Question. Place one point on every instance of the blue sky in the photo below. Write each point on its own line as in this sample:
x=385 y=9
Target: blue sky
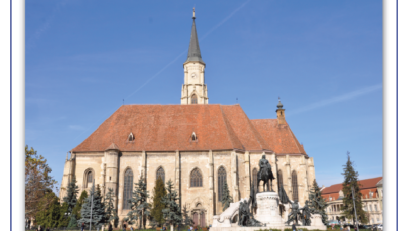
x=323 y=58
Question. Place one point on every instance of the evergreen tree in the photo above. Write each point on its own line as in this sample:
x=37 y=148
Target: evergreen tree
x=156 y=212
x=73 y=221
x=71 y=197
x=351 y=181
x=140 y=208
x=187 y=221
x=64 y=218
x=226 y=198
x=110 y=211
x=172 y=212
x=49 y=214
x=98 y=211
x=317 y=203
x=79 y=204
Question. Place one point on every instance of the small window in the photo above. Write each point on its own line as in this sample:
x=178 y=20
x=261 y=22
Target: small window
x=131 y=137
x=375 y=208
x=194 y=137
x=194 y=99
x=370 y=207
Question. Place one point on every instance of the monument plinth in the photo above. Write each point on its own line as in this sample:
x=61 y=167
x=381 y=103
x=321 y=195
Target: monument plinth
x=268 y=208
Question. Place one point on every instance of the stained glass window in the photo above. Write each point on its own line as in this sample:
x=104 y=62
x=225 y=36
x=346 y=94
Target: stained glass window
x=161 y=173
x=255 y=179
x=295 y=186
x=221 y=182
x=280 y=178
x=196 y=178
x=128 y=181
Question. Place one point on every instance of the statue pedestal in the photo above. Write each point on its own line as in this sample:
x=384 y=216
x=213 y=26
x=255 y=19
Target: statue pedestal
x=268 y=209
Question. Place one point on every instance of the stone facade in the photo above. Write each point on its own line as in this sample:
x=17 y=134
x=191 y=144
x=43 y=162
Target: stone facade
x=109 y=168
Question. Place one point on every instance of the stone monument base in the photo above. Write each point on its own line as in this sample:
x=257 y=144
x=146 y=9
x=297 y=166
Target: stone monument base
x=268 y=209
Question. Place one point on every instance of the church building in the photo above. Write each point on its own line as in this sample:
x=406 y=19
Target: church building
x=197 y=145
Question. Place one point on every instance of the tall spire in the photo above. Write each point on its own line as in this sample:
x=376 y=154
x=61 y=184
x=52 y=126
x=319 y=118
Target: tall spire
x=194 y=52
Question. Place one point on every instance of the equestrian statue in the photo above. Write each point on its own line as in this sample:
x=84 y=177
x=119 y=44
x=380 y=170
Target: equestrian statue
x=265 y=174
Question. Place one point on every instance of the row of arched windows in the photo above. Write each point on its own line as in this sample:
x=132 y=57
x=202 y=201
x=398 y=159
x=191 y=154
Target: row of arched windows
x=196 y=181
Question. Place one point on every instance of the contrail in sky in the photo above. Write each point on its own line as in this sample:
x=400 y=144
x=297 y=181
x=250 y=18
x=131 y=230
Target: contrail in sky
x=185 y=51
x=338 y=99
x=176 y=58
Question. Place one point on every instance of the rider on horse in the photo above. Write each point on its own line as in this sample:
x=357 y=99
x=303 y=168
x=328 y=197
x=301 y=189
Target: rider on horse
x=265 y=172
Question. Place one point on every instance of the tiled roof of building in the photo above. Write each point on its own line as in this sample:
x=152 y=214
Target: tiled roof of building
x=169 y=128
x=278 y=136
x=366 y=186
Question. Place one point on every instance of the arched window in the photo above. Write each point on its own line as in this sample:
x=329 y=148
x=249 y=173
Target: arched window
x=90 y=177
x=280 y=179
x=221 y=182
x=295 y=186
x=161 y=174
x=128 y=181
x=196 y=178
x=255 y=179
x=194 y=99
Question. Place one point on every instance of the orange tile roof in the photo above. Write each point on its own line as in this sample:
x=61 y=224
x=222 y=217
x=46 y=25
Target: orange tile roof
x=366 y=186
x=279 y=136
x=169 y=128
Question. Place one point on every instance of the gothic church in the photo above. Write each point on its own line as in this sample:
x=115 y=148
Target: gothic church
x=199 y=146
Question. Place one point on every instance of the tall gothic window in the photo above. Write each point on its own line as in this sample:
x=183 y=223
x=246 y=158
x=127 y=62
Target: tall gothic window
x=295 y=186
x=196 y=178
x=255 y=179
x=194 y=99
x=90 y=178
x=221 y=182
x=128 y=181
x=280 y=179
x=161 y=174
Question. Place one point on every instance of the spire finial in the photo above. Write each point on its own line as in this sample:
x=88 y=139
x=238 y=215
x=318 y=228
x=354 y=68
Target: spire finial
x=280 y=105
x=193 y=13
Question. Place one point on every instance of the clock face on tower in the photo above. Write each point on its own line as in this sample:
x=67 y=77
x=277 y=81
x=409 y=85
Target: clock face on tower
x=193 y=75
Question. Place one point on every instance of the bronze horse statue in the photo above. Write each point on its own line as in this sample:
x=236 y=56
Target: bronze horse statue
x=265 y=174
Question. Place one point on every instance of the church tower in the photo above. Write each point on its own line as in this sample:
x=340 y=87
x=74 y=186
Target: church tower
x=194 y=90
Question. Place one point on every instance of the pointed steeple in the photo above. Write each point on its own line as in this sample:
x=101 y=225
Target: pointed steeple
x=194 y=52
